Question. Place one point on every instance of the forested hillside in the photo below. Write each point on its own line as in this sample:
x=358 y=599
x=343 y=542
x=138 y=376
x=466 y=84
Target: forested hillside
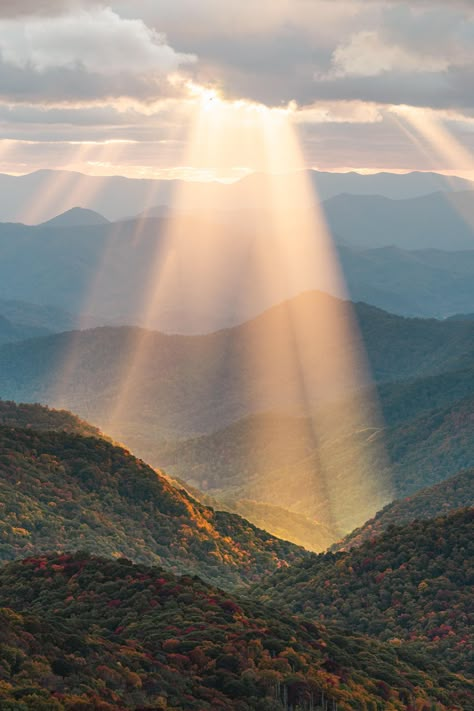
x=86 y=633
x=250 y=461
x=61 y=491
x=406 y=400
x=42 y=418
x=284 y=459
x=457 y=492
x=412 y=584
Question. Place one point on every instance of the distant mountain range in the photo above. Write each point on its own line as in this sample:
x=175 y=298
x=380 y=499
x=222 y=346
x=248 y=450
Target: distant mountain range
x=427 y=283
x=179 y=371
x=440 y=220
x=42 y=195
x=11 y=332
x=20 y=320
x=108 y=271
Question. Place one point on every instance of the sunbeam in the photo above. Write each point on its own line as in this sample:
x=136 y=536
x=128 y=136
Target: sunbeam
x=67 y=187
x=441 y=140
x=303 y=359
x=438 y=140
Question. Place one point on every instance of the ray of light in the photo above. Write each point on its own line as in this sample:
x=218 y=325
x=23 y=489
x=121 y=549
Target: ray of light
x=6 y=146
x=422 y=147
x=83 y=190
x=303 y=358
x=438 y=140
x=314 y=352
x=67 y=187
x=190 y=277
x=125 y=256
x=442 y=141
x=55 y=189
x=108 y=273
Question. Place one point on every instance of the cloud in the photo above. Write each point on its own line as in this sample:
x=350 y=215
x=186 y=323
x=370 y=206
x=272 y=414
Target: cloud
x=85 y=69
x=272 y=52
x=95 y=123
x=20 y=8
x=98 y=41
x=89 y=57
x=367 y=54
x=277 y=51
x=345 y=112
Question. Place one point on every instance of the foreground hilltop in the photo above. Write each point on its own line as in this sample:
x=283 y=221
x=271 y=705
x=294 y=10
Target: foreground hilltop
x=89 y=633
x=82 y=632
x=64 y=490
x=44 y=419
x=412 y=584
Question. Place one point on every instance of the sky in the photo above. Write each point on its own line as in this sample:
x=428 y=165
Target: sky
x=114 y=87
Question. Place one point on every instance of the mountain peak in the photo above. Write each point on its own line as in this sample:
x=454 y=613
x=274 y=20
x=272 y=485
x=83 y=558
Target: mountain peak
x=77 y=217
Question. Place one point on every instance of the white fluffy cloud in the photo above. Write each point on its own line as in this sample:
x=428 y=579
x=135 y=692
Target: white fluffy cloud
x=335 y=112
x=368 y=54
x=98 y=40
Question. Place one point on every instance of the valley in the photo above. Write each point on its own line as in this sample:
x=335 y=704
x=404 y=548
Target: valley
x=236 y=355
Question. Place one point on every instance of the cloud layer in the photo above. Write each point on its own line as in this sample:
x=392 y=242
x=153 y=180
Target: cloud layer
x=82 y=69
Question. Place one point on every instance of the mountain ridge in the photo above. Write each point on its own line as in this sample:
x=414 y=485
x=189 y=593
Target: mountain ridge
x=135 y=195
x=105 y=270
x=61 y=490
x=31 y=373
x=76 y=217
x=456 y=492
